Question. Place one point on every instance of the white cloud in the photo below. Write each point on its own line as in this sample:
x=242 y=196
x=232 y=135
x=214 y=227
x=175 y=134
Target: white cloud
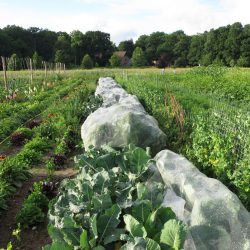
x=125 y=19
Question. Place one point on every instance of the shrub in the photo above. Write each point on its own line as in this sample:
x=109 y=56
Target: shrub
x=87 y=62
x=138 y=58
x=115 y=61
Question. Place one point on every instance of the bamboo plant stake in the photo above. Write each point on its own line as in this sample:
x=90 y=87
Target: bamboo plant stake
x=4 y=73
x=31 y=71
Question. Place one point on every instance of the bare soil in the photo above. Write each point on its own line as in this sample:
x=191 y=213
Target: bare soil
x=36 y=237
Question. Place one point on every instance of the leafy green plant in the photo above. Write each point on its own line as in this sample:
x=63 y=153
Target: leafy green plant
x=34 y=207
x=29 y=156
x=109 y=202
x=38 y=144
x=13 y=171
x=50 y=167
x=30 y=215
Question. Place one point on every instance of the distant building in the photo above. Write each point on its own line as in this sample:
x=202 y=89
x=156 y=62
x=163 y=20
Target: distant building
x=125 y=60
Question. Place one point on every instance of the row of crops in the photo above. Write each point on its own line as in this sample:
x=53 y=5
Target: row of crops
x=42 y=139
x=205 y=113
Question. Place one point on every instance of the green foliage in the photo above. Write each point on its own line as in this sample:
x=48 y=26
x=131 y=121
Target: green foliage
x=38 y=144
x=173 y=234
x=208 y=122
x=87 y=62
x=29 y=156
x=37 y=61
x=108 y=197
x=14 y=62
x=115 y=61
x=50 y=167
x=47 y=130
x=13 y=171
x=33 y=208
x=229 y=44
x=30 y=215
x=9 y=247
x=128 y=46
x=138 y=58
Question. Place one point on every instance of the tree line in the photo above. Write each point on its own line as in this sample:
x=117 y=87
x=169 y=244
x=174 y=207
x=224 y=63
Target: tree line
x=228 y=45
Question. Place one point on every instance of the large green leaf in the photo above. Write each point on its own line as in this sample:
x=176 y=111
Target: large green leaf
x=134 y=227
x=55 y=233
x=107 y=222
x=106 y=161
x=84 y=240
x=93 y=226
x=71 y=232
x=58 y=246
x=99 y=248
x=152 y=245
x=138 y=159
x=87 y=191
x=100 y=180
x=137 y=243
x=157 y=219
x=124 y=196
x=173 y=234
x=114 y=236
x=142 y=191
x=102 y=202
x=141 y=210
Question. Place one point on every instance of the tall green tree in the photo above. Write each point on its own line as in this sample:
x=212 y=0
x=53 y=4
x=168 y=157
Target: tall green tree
x=181 y=50
x=87 y=62
x=196 y=49
x=115 y=61
x=244 y=59
x=63 y=47
x=142 y=42
x=98 y=45
x=233 y=43
x=37 y=61
x=77 y=45
x=128 y=46
x=138 y=58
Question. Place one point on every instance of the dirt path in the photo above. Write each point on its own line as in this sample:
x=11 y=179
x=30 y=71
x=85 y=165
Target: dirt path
x=36 y=237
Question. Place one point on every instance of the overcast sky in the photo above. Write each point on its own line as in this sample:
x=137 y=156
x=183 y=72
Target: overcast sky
x=124 y=19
